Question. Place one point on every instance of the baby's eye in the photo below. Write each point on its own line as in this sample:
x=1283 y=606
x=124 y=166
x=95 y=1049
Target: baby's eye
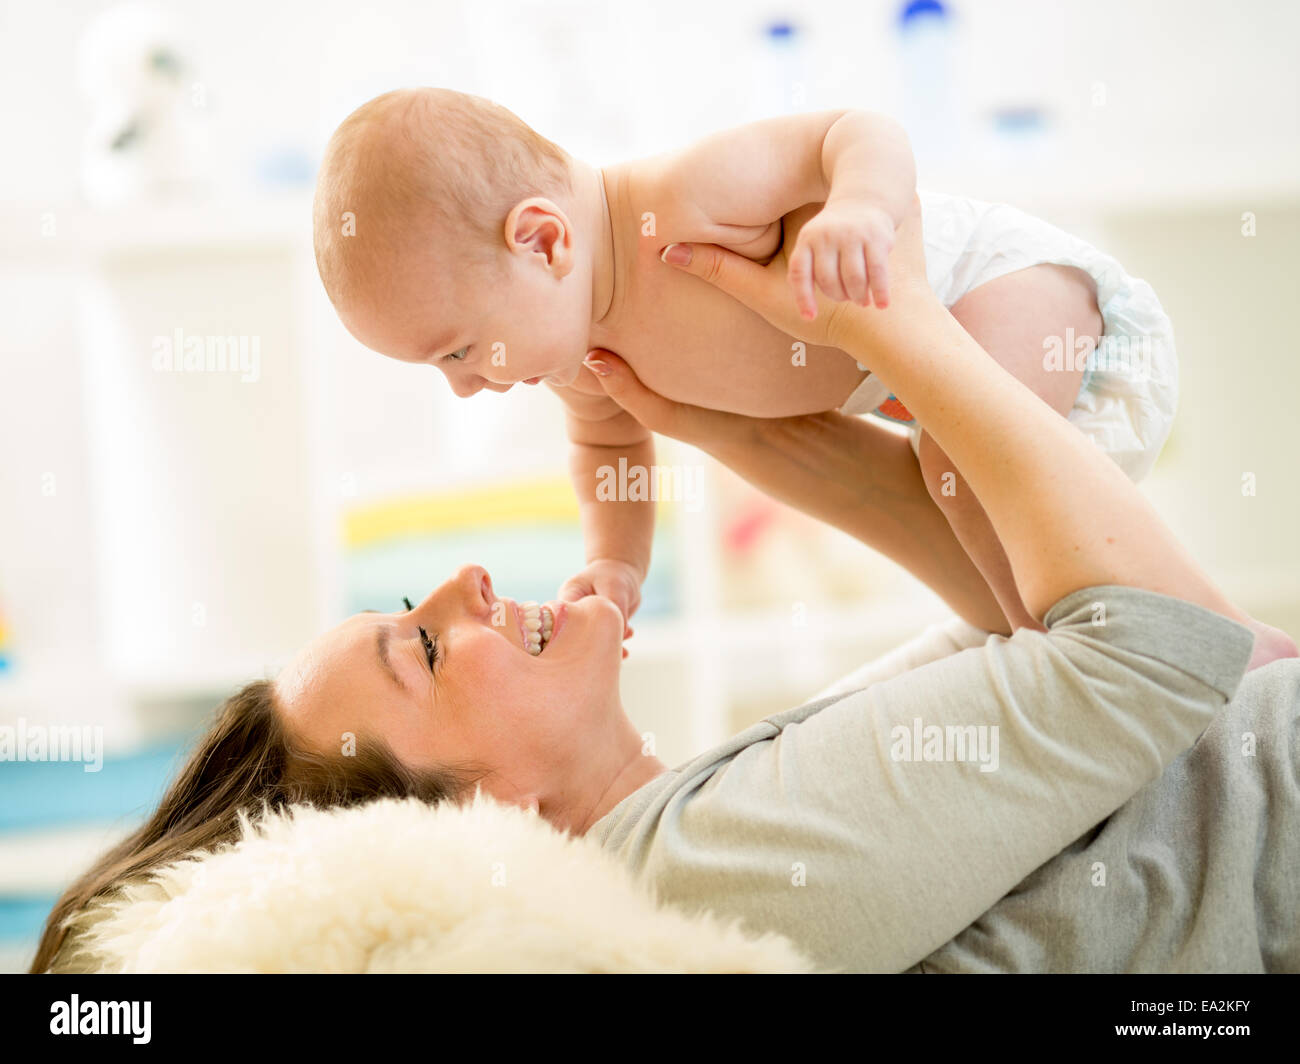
x=458 y=356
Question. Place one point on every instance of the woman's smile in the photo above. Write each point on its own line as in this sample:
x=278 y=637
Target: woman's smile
x=536 y=624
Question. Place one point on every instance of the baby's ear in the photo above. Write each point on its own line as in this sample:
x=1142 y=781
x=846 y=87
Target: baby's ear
x=537 y=226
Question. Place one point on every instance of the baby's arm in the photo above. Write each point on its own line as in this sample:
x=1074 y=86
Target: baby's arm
x=850 y=472
x=617 y=533
x=728 y=187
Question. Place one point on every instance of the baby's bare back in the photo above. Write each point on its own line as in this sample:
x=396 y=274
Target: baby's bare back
x=694 y=344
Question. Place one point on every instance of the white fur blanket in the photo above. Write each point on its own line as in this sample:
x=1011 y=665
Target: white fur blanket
x=400 y=886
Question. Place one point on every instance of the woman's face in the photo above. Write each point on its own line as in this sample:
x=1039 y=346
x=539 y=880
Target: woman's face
x=538 y=724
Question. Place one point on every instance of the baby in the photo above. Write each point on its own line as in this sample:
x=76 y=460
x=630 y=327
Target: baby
x=449 y=233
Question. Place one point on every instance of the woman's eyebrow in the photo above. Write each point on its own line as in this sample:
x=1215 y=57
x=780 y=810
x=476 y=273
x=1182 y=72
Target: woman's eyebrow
x=382 y=637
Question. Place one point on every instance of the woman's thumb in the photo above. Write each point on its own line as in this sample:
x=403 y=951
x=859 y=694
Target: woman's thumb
x=651 y=409
x=734 y=274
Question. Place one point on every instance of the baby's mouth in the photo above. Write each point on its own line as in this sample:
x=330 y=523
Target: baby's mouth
x=536 y=624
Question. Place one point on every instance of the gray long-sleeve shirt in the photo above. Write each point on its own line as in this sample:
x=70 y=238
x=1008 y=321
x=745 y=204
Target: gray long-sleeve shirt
x=878 y=843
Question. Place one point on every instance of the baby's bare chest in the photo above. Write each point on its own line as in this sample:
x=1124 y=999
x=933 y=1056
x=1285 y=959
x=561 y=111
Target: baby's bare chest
x=695 y=344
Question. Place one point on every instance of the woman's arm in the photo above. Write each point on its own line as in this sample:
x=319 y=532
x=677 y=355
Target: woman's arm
x=852 y=474
x=939 y=640
x=912 y=806
x=1066 y=514
x=858 y=476
x=873 y=829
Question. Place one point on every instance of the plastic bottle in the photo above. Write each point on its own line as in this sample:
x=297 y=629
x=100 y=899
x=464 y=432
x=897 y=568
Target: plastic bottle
x=783 y=70
x=929 y=57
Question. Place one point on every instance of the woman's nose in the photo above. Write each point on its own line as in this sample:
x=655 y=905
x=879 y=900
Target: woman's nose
x=470 y=588
x=475 y=586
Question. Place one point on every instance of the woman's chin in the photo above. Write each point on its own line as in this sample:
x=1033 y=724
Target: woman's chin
x=598 y=624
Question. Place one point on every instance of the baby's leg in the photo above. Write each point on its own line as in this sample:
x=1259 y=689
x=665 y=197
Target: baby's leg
x=1010 y=317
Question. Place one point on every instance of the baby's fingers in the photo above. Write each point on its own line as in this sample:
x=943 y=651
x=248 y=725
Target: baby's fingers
x=575 y=588
x=878 y=264
x=799 y=272
x=853 y=275
x=826 y=268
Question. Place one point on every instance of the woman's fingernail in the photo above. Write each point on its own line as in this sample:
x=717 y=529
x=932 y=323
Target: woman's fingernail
x=677 y=255
x=601 y=369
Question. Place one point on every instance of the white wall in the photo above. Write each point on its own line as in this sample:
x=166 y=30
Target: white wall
x=1182 y=81
x=1229 y=297
x=1165 y=120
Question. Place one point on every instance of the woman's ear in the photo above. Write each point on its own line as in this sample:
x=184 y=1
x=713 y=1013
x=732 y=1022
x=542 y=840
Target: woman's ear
x=536 y=226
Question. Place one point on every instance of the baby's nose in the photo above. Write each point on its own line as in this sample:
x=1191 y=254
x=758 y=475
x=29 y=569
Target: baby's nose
x=465 y=388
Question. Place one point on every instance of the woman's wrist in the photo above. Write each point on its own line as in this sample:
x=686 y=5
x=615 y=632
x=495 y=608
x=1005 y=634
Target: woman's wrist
x=861 y=331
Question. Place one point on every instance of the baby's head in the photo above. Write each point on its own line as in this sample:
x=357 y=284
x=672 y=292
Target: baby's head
x=446 y=233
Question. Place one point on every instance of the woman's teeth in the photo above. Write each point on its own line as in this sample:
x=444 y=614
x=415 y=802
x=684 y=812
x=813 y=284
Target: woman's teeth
x=537 y=623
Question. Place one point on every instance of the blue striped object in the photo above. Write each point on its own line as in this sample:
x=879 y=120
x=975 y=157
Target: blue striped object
x=36 y=796
x=23 y=915
x=45 y=794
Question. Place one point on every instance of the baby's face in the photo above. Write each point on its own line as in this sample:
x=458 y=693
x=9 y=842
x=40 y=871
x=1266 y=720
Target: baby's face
x=528 y=325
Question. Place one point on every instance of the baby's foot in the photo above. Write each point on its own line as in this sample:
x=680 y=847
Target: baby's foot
x=1270 y=644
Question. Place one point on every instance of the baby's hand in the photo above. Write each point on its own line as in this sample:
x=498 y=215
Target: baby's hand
x=610 y=578
x=844 y=250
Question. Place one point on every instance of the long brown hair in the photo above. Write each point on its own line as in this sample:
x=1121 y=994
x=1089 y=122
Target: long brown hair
x=246 y=762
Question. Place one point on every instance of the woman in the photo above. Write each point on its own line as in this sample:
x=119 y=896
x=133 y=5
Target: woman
x=809 y=823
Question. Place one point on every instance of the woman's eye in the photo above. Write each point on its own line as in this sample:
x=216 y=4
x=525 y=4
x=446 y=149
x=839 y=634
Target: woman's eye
x=430 y=648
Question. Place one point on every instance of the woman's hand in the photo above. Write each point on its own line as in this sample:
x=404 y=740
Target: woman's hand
x=1065 y=513
x=766 y=290
x=712 y=431
x=853 y=474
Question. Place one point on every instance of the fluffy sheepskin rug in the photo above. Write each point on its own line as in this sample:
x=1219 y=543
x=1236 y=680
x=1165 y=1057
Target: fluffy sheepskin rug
x=401 y=886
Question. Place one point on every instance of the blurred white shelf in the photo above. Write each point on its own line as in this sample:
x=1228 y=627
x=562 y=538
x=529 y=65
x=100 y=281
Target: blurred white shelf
x=1175 y=181
x=72 y=235
x=1053 y=177
x=829 y=624
x=733 y=633
x=16 y=957
x=22 y=685
x=46 y=692
x=1261 y=589
x=47 y=860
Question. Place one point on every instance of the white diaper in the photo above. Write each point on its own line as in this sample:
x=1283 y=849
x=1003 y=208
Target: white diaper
x=1129 y=394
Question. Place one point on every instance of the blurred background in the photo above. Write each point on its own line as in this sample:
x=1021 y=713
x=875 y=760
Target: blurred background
x=166 y=536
